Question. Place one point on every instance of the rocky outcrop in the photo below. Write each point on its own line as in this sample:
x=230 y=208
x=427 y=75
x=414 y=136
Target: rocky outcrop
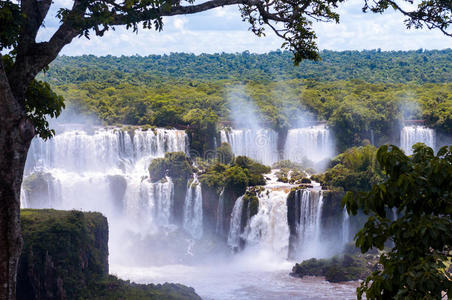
x=118 y=186
x=64 y=253
x=65 y=256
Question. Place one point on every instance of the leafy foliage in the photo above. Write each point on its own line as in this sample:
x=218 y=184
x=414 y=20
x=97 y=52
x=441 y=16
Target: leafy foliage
x=420 y=189
x=224 y=153
x=236 y=176
x=337 y=269
x=175 y=165
x=202 y=128
x=11 y=20
x=371 y=66
x=432 y=14
x=354 y=170
x=40 y=103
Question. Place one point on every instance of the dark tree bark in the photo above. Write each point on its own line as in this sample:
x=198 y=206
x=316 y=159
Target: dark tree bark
x=16 y=133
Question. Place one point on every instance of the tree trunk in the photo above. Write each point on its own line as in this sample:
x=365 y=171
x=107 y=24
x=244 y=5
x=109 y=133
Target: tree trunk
x=16 y=133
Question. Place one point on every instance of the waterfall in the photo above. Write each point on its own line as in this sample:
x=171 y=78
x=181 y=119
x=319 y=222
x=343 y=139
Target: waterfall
x=236 y=222
x=104 y=170
x=155 y=199
x=411 y=135
x=258 y=144
x=268 y=230
x=219 y=228
x=313 y=143
x=192 y=221
x=308 y=225
x=345 y=227
x=106 y=148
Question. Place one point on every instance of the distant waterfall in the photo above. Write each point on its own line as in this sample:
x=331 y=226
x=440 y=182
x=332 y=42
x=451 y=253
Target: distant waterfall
x=192 y=221
x=258 y=144
x=313 y=143
x=104 y=170
x=106 y=148
x=411 y=135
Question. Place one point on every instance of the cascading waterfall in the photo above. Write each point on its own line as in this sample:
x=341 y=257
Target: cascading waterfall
x=258 y=144
x=192 y=221
x=106 y=148
x=308 y=226
x=268 y=230
x=345 y=227
x=219 y=226
x=105 y=171
x=155 y=200
x=313 y=143
x=236 y=224
x=411 y=135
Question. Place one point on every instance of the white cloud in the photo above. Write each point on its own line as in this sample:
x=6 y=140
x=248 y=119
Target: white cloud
x=222 y=30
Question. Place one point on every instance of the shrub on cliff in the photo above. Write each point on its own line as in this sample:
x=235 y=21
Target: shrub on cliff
x=65 y=256
x=175 y=165
x=336 y=269
x=224 y=153
x=354 y=170
x=243 y=172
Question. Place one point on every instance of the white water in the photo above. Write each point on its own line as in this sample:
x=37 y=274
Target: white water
x=235 y=227
x=258 y=144
x=411 y=135
x=106 y=171
x=309 y=224
x=192 y=222
x=313 y=143
x=268 y=230
x=345 y=227
x=246 y=277
x=219 y=226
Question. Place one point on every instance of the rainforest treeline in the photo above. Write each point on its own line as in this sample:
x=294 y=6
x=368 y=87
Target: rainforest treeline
x=359 y=94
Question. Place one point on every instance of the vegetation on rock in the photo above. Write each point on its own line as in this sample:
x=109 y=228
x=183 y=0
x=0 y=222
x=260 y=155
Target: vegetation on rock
x=348 y=267
x=65 y=256
x=175 y=165
x=354 y=170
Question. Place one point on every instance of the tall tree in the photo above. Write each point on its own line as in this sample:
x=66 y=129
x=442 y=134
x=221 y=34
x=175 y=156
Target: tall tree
x=419 y=189
x=24 y=102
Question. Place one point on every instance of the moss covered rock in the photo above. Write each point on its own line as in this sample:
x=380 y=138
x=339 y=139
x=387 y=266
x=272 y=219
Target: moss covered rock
x=337 y=269
x=65 y=256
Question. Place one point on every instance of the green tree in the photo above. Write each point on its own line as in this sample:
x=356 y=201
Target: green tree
x=419 y=188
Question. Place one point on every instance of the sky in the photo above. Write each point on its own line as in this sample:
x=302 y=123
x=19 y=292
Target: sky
x=222 y=30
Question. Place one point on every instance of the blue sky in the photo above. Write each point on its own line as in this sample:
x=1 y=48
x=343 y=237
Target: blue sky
x=222 y=30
